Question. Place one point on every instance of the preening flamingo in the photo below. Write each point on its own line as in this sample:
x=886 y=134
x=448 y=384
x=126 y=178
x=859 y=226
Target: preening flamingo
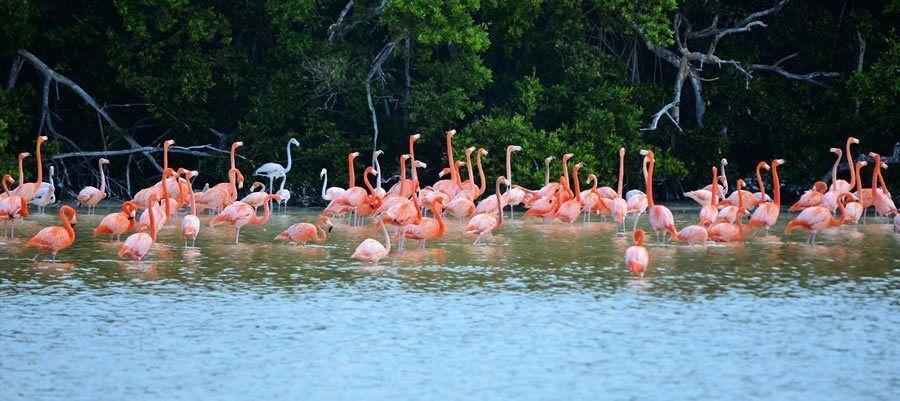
x=90 y=196
x=618 y=206
x=274 y=170
x=590 y=198
x=239 y=214
x=372 y=251
x=219 y=196
x=692 y=234
x=332 y=193
x=13 y=207
x=55 y=238
x=661 y=218
x=841 y=185
x=138 y=244
x=118 y=223
x=810 y=198
x=728 y=232
x=190 y=224
x=884 y=205
x=855 y=209
x=571 y=209
x=45 y=195
x=301 y=233
x=817 y=218
x=428 y=228
x=767 y=213
x=404 y=214
x=761 y=195
x=636 y=256
x=485 y=223
x=29 y=189
x=709 y=213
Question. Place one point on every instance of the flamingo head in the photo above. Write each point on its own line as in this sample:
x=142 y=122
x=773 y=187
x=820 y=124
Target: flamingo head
x=621 y=152
x=415 y=137
x=482 y=152
x=740 y=183
x=874 y=155
x=421 y=164
x=568 y=156
x=24 y=155
x=862 y=164
x=470 y=150
x=255 y=185
x=777 y=162
x=836 y=151
x=404 y=158
x=294 y=142
x=443 y=172
x=513 y=148
x=323 y=172
x=724 y=161
x=377 y=153
x=547 y=160
x=51 y=170
x=236 y=145
x=354 y=155
x=42 y=139
x=104 y=161
x=451 y=133
x=72 y=219
x=765 y=165
x=276 y=198
x=884 y=166
x=578 y=166
x=168 y=143
x=327 y=222
x=853 y=140
x=591 y=176
x=639 y=237
x=459 y=163
x=8 y=178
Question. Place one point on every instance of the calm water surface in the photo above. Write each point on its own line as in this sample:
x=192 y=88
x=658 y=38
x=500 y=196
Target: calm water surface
x=538 y=312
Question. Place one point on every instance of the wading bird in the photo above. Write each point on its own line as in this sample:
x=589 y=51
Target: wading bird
x=55 y=238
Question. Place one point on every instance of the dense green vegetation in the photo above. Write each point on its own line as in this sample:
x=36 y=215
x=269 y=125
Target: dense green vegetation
x=554 y=76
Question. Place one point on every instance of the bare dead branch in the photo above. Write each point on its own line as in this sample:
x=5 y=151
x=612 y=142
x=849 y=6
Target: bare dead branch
x=380 y=58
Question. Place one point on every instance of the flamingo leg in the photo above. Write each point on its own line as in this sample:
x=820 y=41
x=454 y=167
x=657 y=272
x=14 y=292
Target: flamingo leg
x=193 y=240
x=237 y=235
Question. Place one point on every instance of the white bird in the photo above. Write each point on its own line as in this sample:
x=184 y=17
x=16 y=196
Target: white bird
x=45 y=195
x=332 y=193
x=274 y=170
x=283 y=193
x=378 y=189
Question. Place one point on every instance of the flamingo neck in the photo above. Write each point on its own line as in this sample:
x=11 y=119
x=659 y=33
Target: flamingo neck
x=415 y=199
x=233 y=149
x=621 y=173
x=715 y=187
x=858 y=183
x=547 y=173
x=318 y=229
x=499 y=206
x=5 y=188
x=435 y=210
x=649 y=182
x=265 y=217
x=834 y=171
x=509 y=166
x=837 y=222
x=191 y=198
x=875 y=172
x=639 y=238
x=367 y=183
x=483 y=185
x=152 y=216
x=64 y=216
x=21 y=172
x=577 y=185
x=378 y=171
x=40 y=165
x=566 y=173
x=470 y=168
x=412 y=150
x=387 y=238
x=283 y=179
x=759 y=181
x=289 y=161
x=450 y=161
x=352 y=172
x=740 y=212
x=776 y=184
x=165 y=189
x=403 y=182
x=853 y=174
x=102 y=180
x=324 y=184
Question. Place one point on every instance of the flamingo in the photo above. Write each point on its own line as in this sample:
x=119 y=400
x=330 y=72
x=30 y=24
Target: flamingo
x=255 y=198
x=217 y=197
x=545 y=207
x=378 y=189
x=709 y=214
x=239 y=214
x=21 y=158
x=332 y=193
x=767 y=213
x=636 y=256
x=55 y=238
x=841 y=185
x=855 y=209
x=404 y=186
x=190 y=224
x=703 y=196
x=590 y=198
x=884 y=205
x=817 y=218
x=274 y=170
x=897 y=224
x=692 y=234
x=450 y=186
x=514 y=195
x=283 y=193
x=810 y=198
x=636 y=201
x=141 y=197
x=138 y=244
x=428 y=228
x=618 y=206
x=13 y=207
x=485 y=223
x=571 y=208
x=29 y=189
x=115 y=224
x=301 y=233
x=728 y=232
x=865 y=195
x=162 y=212
x=390 y=199
x=829 y=200
x=45 y=195
x=404 y=214
x=661 y=218
x=90 y=196
x=372 y=251
x=353 y=199
x=469 y=184
x=761 y=195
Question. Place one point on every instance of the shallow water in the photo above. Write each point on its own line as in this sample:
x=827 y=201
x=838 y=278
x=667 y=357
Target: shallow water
x=536 y=312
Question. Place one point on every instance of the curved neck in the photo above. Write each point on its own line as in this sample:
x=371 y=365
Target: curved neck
x=436 y=211
x=166 y=157
x=233 y=149
x=413 y=169
x=577 y=184
x=456 y=176
x=352 y=182
x=289 y=161
x=232 y=180
x=102 y=180
x=649 y=182
x=853 y=174
x=509 y=166
x=840 y=221
x=21 y=172
x=858 y=183
x=52 y=186
x=387 y=238
x=875 y=193
x=740 y=212
x=450 y=161
x=715 y=187
x=127 y=210
x=499 y=205
x=412 y=150
x=324 y=183
x=40 y=165
x=415 y=199
x=152 y=216
x=319 y=228
x=64 y=216
x=470 y=167
x=367 y=183
x=776 y=185
x=5 y=188
x=621 y=172
x=759 y=181
x=403 y=182
x=265 y=217
x=546 y=172
x=566 y=171
x=165 y=189
x=378 y=171
x=834 y=170
x=483 y=184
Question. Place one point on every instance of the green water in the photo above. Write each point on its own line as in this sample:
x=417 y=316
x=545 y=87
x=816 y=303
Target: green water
x=536 y=312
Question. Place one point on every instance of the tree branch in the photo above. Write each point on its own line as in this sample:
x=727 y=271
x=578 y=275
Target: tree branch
x=380 y=58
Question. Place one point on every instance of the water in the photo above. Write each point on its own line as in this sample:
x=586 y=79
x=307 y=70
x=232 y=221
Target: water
x=538 y=312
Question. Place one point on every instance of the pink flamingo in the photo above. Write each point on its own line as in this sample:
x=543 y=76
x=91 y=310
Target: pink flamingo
x=404 y=214
x=217 y=197
x=118 y=223
x=692 y=234
x=829 y=200
x=354 y=198
x=450 y=186
x=428 y=228
x=855 y=209
x=767 y=213
x=30 y=189
x=728 y=232
x=590 y=198
x=301 y=233
x=55 y=238
x=884 y=205
x=636 y=256
x=514 y=195
x=571 y=209
x=709 y=214
x=162 y=212
x=865 y=194
x=761 y=195
x=817 y=218
x=618 y=207
x=332 y=193
x=239 y=214
x=255 y=198
x=13 y=207
x=485 y=223
x=90 y=196
x=138 y=244
x=370 y=250
x=703 y=196
x=810 y=198
x=21 y=158
x=190 y=224
x=378 y=189
x=469 y=184
x=637 y=201
x=661 y=218
x=404 y=186
x=841 y=185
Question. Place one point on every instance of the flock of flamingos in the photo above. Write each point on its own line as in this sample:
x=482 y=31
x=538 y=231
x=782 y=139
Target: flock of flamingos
x=405 y=204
